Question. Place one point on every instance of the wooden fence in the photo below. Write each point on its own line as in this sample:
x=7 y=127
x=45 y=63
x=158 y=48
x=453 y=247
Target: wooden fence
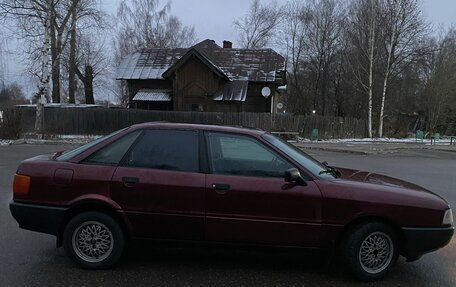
x=97 y=121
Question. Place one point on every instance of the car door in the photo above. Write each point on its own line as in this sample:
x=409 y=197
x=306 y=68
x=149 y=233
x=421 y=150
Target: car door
x=248 y=200
x=159 y=185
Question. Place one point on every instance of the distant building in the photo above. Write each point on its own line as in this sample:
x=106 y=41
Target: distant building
x=205 y=77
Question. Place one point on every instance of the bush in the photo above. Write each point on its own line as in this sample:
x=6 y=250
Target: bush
x=10 y=124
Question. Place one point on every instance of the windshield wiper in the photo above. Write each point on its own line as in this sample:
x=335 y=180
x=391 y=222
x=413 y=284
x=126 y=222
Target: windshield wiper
x=330 y=170
x=327 y=171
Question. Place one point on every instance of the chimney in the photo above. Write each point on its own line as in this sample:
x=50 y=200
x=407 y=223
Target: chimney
x=227 y=45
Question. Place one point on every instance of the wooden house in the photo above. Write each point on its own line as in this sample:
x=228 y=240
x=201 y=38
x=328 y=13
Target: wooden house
x=205 y=77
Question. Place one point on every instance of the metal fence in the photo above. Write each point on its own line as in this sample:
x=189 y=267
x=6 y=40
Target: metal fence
x=97 y=121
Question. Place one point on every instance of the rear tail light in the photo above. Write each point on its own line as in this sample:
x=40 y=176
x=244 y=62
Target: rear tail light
x=21 y=184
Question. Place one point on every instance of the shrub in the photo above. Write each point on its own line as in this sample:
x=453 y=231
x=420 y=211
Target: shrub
x=10 y=124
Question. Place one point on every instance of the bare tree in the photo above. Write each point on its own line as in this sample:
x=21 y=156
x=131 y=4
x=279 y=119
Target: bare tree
x=439 y=96
x=364 y=32
x=2 y=64
x=86 y=20
x=258 y=26
x=293 y=28
x=405 y=30
x=94 y=60
x=324 y=37
x=11 y=95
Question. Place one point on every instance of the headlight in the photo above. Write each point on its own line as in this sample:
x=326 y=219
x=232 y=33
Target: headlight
x=448 y=218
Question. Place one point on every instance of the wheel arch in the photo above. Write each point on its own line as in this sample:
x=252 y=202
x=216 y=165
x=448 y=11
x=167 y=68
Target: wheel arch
x=98 y=206
x=368 y=219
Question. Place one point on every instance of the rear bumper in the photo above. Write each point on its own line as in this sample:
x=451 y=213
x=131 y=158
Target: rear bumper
x=40 y=218
x=419 y=241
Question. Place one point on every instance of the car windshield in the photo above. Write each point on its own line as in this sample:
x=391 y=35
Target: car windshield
x=305 y=160
x=67 y=155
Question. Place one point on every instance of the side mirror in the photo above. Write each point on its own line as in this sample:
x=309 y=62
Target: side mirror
x=293 y=175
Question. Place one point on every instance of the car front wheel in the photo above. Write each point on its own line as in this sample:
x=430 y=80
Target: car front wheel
x=94 y=240
x=370 y=251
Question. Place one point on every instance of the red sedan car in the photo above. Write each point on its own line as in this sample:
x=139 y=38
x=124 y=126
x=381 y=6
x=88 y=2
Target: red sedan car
x=214 y=184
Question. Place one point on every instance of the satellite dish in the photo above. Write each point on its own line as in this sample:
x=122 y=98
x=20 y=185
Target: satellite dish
x=266 y=92
x=280 y=106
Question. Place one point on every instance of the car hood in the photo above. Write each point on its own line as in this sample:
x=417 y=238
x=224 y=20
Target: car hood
x=379 y=179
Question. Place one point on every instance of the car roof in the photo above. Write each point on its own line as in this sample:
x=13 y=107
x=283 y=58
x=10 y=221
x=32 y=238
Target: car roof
x=216 y=128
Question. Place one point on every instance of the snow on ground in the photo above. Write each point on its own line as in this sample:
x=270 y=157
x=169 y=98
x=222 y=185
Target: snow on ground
x=55 y=139
x=5 y=142
x=376 y=140
x=82 y=139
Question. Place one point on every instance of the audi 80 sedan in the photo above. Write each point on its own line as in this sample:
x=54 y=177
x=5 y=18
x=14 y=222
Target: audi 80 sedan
x=222 y=185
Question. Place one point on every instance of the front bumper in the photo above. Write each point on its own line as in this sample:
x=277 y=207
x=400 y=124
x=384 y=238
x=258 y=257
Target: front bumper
x=419 y=241
x=40 y=218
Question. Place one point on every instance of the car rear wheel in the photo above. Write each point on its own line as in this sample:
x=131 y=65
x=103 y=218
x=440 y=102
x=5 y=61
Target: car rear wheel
x=94 y=240
x=370 y=251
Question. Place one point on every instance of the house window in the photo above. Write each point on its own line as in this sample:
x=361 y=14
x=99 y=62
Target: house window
x=194 y=107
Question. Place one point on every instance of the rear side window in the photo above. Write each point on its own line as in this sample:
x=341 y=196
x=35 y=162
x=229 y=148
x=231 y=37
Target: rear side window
x=67 y=155
x=113 y=153
x=166 y=149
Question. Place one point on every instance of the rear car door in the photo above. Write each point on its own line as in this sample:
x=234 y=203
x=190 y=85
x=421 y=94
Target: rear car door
x=248 y=200
x=159 y=185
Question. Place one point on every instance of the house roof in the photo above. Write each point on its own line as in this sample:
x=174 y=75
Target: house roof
x=259 y=65
x=150 y=95
x=193 y=51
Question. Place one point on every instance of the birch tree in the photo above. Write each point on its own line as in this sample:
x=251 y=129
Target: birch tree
x=33 y=21
x=364 y=33
x=405 y=30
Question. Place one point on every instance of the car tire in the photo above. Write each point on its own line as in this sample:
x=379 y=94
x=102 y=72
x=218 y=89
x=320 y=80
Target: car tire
x=94 y=240
x=369 y=251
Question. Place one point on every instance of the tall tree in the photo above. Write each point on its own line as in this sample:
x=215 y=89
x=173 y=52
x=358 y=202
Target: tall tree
x=294 y=28
x=439 y=95
x=258 y=26
x=405 y=30
x=86 y=19
x=364 y=32
x=2 y=65
x=324 y=37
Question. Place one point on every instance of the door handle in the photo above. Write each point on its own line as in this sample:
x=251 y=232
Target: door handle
x=130 y=181
x=220 y=188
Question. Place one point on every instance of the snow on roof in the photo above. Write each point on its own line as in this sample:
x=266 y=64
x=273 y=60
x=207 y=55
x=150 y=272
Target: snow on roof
x=258 y=65
x=61 y=105
x=150 y=95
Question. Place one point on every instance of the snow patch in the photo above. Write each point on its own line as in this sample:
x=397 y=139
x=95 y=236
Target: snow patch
x=376 y=140
x=5 y=142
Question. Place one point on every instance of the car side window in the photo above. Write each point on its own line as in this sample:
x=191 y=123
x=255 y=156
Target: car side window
x=166 y=149
x=113 y=153
x=232 y=154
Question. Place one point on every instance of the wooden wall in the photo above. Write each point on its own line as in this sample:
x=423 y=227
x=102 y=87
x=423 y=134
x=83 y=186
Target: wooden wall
x=194 y=85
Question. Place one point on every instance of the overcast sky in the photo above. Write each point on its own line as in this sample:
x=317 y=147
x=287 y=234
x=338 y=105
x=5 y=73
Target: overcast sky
x=213 y=19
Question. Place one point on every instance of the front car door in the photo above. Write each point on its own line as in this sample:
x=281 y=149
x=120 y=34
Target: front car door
x=248 y=200
x=160 y=187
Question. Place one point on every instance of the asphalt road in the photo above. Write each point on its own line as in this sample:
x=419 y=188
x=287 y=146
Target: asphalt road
x=31 y=259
